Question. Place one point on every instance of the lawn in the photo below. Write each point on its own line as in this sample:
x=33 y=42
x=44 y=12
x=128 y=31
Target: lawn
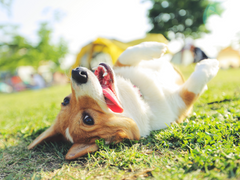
x=205 y=146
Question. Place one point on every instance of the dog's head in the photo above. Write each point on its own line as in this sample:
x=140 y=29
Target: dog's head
x=92 y=111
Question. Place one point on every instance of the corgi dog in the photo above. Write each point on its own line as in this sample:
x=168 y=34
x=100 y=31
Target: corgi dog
x=141 y=93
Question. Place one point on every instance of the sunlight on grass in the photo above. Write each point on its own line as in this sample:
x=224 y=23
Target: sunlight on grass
x=205 y=146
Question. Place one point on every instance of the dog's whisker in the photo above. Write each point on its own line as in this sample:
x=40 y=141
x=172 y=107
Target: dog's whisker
x=101 y=100
x=94 y=68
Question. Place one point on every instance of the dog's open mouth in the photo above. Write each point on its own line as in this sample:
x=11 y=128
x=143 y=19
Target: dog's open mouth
x=105 y=76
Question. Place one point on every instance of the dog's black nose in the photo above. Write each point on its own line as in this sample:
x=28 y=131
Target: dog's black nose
x=80 y=75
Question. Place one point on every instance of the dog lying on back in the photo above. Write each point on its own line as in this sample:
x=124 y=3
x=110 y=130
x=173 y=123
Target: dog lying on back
x=141 y=93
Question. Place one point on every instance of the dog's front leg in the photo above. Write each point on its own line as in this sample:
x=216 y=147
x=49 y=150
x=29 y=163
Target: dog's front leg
x=196 y=84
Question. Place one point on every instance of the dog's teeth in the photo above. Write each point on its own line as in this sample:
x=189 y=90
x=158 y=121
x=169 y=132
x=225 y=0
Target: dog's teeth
x=105 y=71
x=105 y=74
x=103 y=68
x=94 y=68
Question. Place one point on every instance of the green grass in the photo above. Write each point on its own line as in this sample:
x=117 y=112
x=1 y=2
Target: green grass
x=205 y=146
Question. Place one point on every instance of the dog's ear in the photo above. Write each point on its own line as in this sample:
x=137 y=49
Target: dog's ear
x=51 y=134
x=78 y=150
x=124 y=128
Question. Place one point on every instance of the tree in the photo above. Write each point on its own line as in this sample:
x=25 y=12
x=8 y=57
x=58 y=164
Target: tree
x=6 y=5
x=46 y=49
x=19 y=51
x=174 y=18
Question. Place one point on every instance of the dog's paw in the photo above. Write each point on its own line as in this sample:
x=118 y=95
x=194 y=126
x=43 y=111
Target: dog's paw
x=207 y=68
x=204 y=72
x=144 y=51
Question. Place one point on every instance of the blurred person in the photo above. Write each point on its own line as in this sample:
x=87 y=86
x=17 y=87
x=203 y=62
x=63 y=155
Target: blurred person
x=37 y=81
x=5 y=88
x=198 y=54
x=17 y=83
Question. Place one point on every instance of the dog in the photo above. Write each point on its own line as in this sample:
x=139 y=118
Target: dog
x=141 y=93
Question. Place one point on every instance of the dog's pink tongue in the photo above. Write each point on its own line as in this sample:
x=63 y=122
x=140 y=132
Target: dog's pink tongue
x=112 y=101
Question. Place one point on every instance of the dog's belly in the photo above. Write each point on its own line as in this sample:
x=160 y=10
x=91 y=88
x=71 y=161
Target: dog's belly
x=157 y=84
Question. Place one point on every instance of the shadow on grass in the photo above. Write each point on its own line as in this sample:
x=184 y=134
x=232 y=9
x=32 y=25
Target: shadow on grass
x=17 y=162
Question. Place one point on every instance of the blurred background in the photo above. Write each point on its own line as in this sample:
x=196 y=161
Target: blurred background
x=41 y=41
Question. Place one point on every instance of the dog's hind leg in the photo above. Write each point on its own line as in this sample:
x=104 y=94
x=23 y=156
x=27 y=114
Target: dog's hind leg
x=196 y=84
x=144 y=51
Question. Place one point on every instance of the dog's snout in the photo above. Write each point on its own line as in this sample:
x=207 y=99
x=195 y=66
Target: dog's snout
x=80 y=75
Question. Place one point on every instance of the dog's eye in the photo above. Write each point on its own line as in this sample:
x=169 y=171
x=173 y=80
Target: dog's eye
x=88 y=119
x=66 y=101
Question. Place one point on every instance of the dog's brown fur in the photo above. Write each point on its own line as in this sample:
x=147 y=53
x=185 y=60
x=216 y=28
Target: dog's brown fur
x=111 y=127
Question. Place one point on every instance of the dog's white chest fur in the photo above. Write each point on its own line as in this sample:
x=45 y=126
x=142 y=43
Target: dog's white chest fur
x=156 y=82
x=106 y=104
x=163 y=100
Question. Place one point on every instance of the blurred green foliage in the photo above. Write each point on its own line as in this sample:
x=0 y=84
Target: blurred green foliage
x=18 y=51
x=174 y=18
x=5 y=4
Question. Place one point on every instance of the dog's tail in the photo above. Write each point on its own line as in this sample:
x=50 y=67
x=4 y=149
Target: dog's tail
x=144 y=51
